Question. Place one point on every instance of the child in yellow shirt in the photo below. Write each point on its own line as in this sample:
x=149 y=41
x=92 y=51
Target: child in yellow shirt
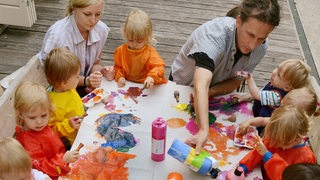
x=62 y=69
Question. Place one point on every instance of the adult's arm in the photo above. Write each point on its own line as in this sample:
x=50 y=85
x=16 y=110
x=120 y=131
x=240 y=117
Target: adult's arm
x=224 y=87
x=202 y=79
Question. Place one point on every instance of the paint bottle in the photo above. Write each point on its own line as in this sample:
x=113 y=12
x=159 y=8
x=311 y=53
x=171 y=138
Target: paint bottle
x=235 y=174
x=203 y=163
x=158 y=146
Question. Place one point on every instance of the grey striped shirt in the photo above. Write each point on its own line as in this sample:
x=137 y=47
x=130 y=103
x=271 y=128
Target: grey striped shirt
x=216 y=38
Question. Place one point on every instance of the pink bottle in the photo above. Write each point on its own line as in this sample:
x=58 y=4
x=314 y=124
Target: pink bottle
x=158 y=146
x=235 y=174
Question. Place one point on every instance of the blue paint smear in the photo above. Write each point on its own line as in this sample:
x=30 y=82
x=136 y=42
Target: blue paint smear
x=116 y=138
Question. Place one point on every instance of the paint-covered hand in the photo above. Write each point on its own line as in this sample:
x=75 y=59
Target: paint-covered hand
x=149 y=82
x=243 y=98
x=121 y=82
x=108 y=72
x=75 y=122
x=71 y=156
x=198 y=140
x=244 y=126
x=95 y=79
x=260 y=147
x=242 y=74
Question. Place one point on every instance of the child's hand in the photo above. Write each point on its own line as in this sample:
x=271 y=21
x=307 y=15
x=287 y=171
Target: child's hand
x=149 y=82
x=243 y=74
x=75 y=122
x=121 y=82
x=260 y=147
x=243 y=98
x=94 y=79
x=108 y=72
x=71 y=156
x=244 y=126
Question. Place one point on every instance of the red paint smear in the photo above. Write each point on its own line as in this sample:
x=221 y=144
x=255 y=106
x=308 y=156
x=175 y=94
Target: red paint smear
x=176 y=123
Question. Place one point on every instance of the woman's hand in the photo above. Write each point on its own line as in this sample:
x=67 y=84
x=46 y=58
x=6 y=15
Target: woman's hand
x=94 y=79
x=108 y=72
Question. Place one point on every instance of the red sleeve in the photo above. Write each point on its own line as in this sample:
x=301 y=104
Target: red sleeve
x=250 y=161
x=53 y=166
x=277 y=164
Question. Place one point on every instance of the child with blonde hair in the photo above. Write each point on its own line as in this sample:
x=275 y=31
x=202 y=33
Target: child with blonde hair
x=283 y=144
x=137 y=60
x=290 y=74
x=33 y=108
x=62 y=69
x=15 y=162
x=302 y=98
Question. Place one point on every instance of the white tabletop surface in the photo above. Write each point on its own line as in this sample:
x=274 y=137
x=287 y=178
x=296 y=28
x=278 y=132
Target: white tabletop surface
x=158 y=102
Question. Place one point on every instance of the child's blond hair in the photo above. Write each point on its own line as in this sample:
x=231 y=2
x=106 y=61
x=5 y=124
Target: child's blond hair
x=60 y=65
x=28 y=97
x=302 y=98
x=137 y=26
x=296 y=73
x=287 y=124
x=14 y=159
x=80 y=4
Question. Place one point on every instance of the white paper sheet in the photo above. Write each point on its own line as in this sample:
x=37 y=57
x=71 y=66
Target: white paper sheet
x=159 y=102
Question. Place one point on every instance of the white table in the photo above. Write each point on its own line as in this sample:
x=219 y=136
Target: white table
x=159 y=102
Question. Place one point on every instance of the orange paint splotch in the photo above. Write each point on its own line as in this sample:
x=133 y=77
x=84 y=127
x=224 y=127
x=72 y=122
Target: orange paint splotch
x=118 y=111
x=218 y=148
x=176 y=123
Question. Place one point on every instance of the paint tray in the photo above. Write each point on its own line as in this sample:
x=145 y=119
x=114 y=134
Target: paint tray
x=94 y=97
x=245 y=140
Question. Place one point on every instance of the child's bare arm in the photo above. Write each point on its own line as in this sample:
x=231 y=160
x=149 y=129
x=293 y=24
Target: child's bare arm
x=253 y=89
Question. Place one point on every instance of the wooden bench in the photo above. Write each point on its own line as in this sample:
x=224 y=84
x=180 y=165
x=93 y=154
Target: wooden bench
x=32 y=71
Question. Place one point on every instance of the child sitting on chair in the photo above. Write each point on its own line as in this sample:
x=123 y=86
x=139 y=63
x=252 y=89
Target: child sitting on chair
x=33 y=107
x=302 y=98
x=15 y=162
x=62 y=69
x=137 y=60
x=283 y=144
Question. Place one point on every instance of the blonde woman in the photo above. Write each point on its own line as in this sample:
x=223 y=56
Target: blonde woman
x=82 y=32
x=137 y=60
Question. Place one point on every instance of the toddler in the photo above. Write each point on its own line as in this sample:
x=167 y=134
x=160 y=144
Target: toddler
x=290 y=74
x=32 y=105
x=302 y=98
x=305 y=171
x=283 y=144
x=137 y=60
x=15 y=162
x=62 y=69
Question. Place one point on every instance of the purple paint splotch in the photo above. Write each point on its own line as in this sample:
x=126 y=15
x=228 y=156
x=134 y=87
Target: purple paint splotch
x=116 y=138
x=229 y=131
x=225 y=106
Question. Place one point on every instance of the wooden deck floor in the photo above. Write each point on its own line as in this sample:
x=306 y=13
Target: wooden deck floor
x=173 y=21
